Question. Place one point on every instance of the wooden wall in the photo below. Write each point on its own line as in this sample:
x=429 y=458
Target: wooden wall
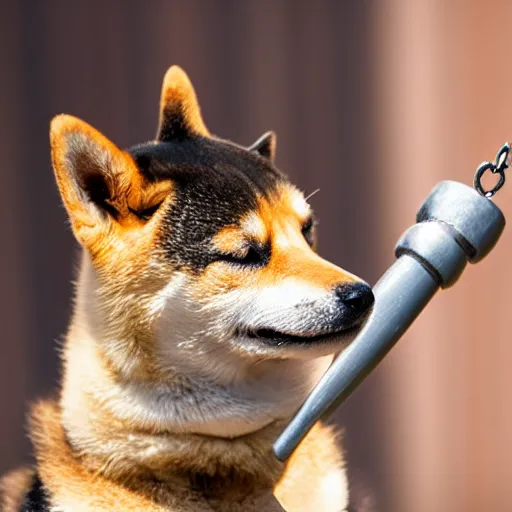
x=373 y=103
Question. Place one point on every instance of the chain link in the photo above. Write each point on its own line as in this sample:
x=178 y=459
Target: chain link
x=500 y=165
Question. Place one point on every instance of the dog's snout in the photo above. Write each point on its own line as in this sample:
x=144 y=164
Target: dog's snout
x=356 y=297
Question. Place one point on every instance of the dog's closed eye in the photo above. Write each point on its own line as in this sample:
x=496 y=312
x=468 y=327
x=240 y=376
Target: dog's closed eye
x=146 y=213
x=253 y=256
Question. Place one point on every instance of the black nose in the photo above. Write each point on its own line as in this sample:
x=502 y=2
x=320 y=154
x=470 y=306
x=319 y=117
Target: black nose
x=357 y=298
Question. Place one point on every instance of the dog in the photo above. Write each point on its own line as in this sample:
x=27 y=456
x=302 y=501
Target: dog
x=202 y=319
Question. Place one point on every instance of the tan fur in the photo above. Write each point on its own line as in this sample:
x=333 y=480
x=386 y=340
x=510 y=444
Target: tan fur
x=129 y=191
x=13 y=487
x=178 y=90
x=105 y=445
x=162 y=482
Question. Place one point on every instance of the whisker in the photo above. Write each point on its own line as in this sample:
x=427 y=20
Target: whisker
x=312 y=194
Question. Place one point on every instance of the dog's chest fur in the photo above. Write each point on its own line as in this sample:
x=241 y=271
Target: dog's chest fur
x=313 y=480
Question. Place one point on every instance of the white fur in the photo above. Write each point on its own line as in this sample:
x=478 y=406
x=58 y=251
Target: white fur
x=224 y=390
x=220 y=383
x=239 y=384
x=253 y=225
x=300 y=205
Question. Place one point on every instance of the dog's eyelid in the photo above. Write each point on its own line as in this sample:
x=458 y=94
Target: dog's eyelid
x=241 y=252
x=249 y=245
x=254 y=254
x=146 y=213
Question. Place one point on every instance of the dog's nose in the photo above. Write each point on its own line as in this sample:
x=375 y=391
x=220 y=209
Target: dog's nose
x=357 y=298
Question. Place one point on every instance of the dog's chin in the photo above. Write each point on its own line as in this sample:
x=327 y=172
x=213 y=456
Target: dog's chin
x=283 y=344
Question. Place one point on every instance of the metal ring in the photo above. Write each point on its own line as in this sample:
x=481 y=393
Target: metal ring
x=488 y=166
x=502 y=156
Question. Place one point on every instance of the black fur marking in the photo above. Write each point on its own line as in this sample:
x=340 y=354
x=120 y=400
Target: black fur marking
x=36 y=499
x=215 y=183
x=174 y=125
x=158 y=160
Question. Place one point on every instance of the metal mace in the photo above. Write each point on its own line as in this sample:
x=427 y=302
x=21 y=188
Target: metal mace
x=455 y=225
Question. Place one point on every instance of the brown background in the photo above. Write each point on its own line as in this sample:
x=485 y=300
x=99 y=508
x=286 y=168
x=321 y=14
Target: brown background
x=373 y=102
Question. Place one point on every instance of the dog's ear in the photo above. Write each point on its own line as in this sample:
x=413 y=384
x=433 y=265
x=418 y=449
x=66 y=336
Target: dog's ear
x=180 y=115
x=99 y=183
x=265 y=146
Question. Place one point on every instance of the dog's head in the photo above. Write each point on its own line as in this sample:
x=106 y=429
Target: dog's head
x=201 y=253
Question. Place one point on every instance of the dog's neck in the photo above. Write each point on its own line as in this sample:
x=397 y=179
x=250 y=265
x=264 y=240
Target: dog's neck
x=108 y=440
x=150 y=421
x=157 y=470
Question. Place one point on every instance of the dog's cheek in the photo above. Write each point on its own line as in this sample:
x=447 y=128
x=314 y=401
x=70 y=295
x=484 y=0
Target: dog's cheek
x=221 y=278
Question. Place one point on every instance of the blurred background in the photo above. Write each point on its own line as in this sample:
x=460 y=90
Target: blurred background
x=374 y=102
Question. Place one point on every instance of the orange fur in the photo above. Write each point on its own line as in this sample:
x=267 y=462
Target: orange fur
x=129 y=190
x=178 y=90
x=292 y=257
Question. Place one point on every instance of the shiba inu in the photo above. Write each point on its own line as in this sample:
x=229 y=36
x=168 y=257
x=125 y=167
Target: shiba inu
x=203 y=317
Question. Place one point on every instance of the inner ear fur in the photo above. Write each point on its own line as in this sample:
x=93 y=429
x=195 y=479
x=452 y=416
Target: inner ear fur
x=99 y=183
x=180 y=115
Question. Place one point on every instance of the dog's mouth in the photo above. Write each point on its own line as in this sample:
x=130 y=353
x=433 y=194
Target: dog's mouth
x=280 y=338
